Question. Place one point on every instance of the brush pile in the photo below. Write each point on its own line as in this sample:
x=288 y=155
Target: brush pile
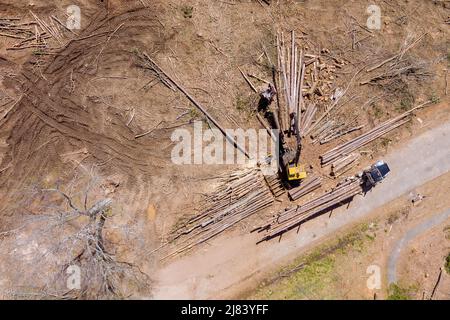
x=39 y=34
x=397 y=65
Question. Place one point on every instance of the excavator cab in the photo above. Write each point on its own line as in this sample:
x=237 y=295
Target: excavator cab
x=295 y=172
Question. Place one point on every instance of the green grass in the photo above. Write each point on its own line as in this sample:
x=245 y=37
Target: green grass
x=406 y=103
x=398 y=293
x=314 y=275
x=245 y=105
x=314 y=278
x=447 y=264
x=240 y=103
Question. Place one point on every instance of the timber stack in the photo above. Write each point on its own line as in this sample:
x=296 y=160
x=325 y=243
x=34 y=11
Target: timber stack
x=344 y=164
x=360 y=141
x=309 y=185
x=241 y=195
x=293 y=217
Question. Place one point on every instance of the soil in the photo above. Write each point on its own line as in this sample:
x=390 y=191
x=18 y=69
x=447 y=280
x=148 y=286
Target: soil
x=77 y=111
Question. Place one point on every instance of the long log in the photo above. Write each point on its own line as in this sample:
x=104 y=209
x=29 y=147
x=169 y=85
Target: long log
x=292 y=217
x=335 y=135
x=369 y=136
x=306 y=187
x=202 y=109
x=359 y=142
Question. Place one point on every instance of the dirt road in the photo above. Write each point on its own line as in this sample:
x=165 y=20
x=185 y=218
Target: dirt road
x=411 y=234
x=225 y=267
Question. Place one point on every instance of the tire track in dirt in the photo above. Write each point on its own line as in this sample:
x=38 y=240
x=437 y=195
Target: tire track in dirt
x=48 y=111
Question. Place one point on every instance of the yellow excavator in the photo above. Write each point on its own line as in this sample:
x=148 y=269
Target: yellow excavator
x=290 y=157
x=290 y=151
x=296 y=172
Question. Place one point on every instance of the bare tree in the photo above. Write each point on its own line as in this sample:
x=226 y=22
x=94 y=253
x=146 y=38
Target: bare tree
x=56 y=234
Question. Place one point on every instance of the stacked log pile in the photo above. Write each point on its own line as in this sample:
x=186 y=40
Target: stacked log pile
x=344 y=164
x=309 y=185
x=275 y=185
x=293 y=217
x=148 y=63
x=303 y=81
x=331 y=130
x=241 y=195
x=291 y=66
x=377 y=132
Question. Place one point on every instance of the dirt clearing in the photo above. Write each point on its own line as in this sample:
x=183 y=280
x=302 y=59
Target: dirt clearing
x=86 y=175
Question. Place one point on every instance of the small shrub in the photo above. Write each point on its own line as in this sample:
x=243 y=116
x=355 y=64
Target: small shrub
x=385 y=142
x=434 y=98
x=244 y=104
x=188 y=11
x=377 y=111
x=447 y=264
x=405 y=103
x=194 y=113
x=447 y=232
x=398 y=293
x=392 y=218
x=371 y=237
x=38 y=52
